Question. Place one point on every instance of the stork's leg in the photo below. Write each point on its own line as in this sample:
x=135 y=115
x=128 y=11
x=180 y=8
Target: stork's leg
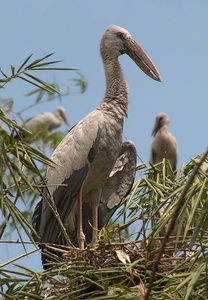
x=94 y=224
x=80 y=233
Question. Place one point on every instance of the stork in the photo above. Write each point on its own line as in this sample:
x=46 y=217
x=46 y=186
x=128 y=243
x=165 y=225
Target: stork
x=164 y=144
x=45 y=120
x=95 y=170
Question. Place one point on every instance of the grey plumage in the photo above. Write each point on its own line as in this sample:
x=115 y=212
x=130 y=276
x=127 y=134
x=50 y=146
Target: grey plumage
x=117 y=186
x=164 y=144
x=95 y=170
x=45 y=121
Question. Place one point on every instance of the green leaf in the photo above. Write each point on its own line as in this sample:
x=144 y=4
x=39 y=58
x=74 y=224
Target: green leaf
x=13 y=70
x=24 y=63
x=35 y=62
x=43 y=87
x=46 y=85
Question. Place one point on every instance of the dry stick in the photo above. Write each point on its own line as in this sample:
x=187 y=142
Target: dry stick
x=173 y=221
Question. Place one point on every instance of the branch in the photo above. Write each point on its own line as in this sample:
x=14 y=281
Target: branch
x=23 y=74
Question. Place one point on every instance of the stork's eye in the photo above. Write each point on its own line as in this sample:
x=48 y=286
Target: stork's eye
x=120 y=35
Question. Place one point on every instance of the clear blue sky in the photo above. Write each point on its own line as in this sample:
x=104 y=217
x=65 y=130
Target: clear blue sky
x=173 y=34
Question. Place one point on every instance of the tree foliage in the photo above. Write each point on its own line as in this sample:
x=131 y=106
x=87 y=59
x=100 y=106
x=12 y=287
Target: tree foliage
x=23 y=164
x=155 y=247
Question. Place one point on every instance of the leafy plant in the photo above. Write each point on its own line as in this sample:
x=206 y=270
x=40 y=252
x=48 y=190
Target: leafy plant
x=121 y=266
x=22 y=164
x=155 y=247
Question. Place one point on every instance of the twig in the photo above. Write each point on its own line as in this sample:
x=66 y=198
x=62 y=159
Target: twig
x=18 y=257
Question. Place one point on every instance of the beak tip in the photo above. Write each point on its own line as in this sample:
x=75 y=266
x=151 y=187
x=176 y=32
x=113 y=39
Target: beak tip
x=158 y=77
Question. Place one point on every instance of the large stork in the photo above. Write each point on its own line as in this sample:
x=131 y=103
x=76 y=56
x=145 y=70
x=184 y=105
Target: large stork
x=164 y=144
x=95 y=170
x=46 y=120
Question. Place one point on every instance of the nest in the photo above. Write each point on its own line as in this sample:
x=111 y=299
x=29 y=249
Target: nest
x=108 y=269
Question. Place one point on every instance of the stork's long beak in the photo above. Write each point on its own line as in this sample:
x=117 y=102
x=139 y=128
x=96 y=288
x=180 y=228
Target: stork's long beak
x=141 y=59
x=64 y=117
x=155 y=128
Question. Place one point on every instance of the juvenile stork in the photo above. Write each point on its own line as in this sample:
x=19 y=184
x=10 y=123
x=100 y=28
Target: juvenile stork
x=164 y=144
x=45 y=121
x=95 y=170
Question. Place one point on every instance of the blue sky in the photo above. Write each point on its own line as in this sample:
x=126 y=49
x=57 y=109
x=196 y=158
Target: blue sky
x=172 y=33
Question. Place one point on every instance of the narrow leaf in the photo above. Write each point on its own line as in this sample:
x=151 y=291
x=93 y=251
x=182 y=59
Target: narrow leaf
x=5 y=80
x=38 y=60
x=46 y=63
x=50 y=87
x=24 y=62
x=34 y=83
x=13 y=70
x=3 y=73
x=55 y=69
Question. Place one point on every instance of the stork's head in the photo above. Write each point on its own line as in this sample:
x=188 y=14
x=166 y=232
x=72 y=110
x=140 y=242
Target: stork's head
x=116 y=41
x=161 y=120
x=61 y=113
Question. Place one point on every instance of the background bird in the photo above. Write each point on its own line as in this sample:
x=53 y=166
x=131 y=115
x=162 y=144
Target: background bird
x=89 y=157
x=164 y=144
x=43 y=122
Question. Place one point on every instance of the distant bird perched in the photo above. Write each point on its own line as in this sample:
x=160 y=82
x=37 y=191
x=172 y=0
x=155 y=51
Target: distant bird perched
x=44 y=121
x=164 y=144
x=95 y=170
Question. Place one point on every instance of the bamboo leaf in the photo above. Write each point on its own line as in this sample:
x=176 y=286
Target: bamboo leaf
x=5 y=80
x=54 y=69
x=3 y=73
x=24 y=62
x=50 y=88
x=38 y=60
x=34 y=83
x=45 y=64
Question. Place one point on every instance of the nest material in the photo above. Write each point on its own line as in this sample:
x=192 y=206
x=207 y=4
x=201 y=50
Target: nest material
x=105 y=255
x=120 y=268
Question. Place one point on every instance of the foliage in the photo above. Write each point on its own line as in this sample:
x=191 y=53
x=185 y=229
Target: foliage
x=23 y=73
x=23 y=164
x=155 y=247
x=121 y=267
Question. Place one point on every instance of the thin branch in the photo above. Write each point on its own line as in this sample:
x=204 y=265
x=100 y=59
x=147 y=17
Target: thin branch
x=18 y=257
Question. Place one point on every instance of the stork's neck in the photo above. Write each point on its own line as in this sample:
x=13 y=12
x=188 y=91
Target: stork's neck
x=116 y=95
x=164 y=127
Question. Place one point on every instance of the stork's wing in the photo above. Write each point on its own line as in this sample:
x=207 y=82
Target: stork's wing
x=152 y=157
x=44 y=221
x=116 y=188
x=119 y=182
x=73 y=157
x=35 y=123
x=164 y=145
